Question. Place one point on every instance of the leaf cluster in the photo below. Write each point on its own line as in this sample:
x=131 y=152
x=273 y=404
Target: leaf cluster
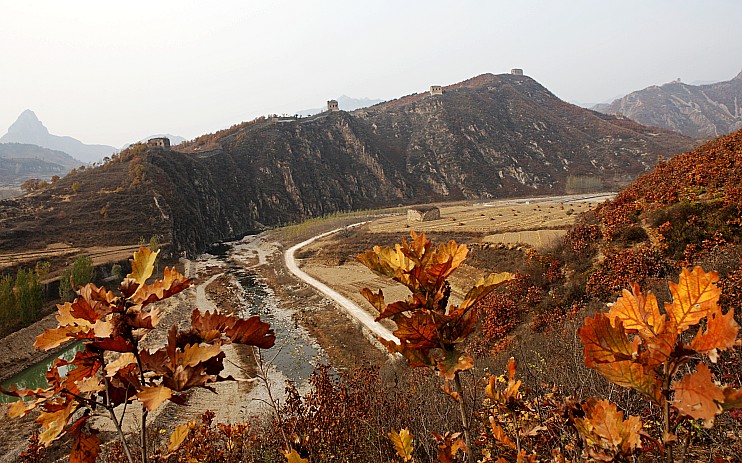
x=429 y=330
x=639 y=346
x=112 y=369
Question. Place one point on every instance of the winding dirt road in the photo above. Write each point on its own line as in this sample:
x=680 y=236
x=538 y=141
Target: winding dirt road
x=346 y=304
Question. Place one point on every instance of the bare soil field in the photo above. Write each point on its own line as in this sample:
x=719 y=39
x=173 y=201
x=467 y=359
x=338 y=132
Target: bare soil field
x=536 y=222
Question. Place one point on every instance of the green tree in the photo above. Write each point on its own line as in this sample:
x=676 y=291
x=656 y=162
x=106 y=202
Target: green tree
x=29 y=295
x=78 y=274
x=8 y=308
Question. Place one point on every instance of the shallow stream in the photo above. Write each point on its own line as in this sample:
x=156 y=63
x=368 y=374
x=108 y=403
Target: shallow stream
x=293 y=357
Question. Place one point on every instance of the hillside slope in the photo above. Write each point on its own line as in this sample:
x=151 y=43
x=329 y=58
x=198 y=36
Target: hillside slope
x=491 y=136
x=21 y=162
x=697 y=111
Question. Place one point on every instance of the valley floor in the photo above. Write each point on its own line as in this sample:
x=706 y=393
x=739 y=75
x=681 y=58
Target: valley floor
x=336 y=337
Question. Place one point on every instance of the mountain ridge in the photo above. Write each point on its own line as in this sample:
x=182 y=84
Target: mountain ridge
x=23 y=161
x=697 y=111
x=487 y=137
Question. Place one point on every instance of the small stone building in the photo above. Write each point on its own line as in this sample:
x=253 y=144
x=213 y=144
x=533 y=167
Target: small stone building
x=423 y=214
x=159 y=142
x=332 y=105
x=436 y=90
x=516 y=72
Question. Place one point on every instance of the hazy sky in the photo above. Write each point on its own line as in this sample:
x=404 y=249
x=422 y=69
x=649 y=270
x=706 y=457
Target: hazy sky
x=113 y=72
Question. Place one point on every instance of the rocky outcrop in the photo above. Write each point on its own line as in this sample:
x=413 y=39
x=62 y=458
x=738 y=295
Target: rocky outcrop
x=697 y=111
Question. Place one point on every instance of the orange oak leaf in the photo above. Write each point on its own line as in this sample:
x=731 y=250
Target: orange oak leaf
x=694 y=295
x=483 y=287
x=499 y=434
x=50 y=339
x=376 y=299
x=447 y=258
x=153 y=396
x=22 y=407
x=448 y=446
x=414 y=356
x=720 y=334
x=172 y=283
x=183 y=378
x=697 y=396
x=179 y=435
x=638 y=312
x=605 y=342
x=418 y=330
x=142 y=265
x=124 y=360
x=293 y=457
x=604 y=429
x=53 y=422
x=402 y=441
x=252 y=332
x=631 y=374
x=452 y=362
x=193 y=354
x=85 y=447
x=86 y=365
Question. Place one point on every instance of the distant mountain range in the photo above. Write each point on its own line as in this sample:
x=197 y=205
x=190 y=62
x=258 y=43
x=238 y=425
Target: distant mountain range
x=491 y=136
x=697 y=111
x=28 y=129
x=345 y=103
x=21 y=162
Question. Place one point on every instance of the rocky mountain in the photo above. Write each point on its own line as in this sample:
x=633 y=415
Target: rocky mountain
x=19 y=162
x=491 y=136
x=697 y=111
x=28 y=129
x=345 y=103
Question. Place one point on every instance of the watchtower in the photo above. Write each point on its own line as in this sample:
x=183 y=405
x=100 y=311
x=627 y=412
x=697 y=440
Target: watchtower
x=332 y=105
x=436 y=90
x=516 y=72
x=159 y=142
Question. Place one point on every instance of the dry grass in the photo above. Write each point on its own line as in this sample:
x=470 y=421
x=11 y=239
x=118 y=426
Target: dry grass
x=493 y=217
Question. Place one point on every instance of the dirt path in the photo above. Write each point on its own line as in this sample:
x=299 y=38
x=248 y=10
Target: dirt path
x=346 y=304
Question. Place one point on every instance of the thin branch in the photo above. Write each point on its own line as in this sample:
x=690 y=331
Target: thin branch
x=464 y=417
x=112 y=414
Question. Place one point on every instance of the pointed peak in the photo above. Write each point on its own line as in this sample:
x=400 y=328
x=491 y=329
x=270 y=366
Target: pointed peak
x=739 y=76
x=27 y=122
x=28 y=115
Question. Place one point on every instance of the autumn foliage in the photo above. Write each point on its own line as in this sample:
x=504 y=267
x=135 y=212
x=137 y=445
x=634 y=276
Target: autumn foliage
x=429 y=330
x=113 y=369
x=639 y=346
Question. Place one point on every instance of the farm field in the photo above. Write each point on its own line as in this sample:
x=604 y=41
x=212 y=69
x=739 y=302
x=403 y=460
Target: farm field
x=535 y=222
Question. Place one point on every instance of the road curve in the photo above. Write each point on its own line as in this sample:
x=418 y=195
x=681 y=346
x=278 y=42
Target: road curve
x=346 y=304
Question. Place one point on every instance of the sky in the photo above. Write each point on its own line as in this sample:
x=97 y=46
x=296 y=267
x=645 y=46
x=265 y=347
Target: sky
x=115 y=72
